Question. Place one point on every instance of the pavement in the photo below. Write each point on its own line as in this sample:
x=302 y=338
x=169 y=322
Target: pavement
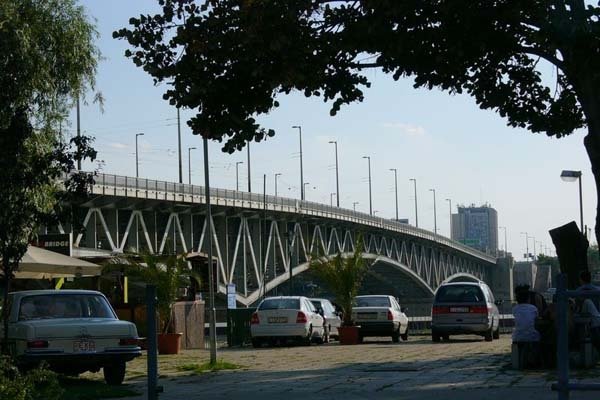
x=464 y=368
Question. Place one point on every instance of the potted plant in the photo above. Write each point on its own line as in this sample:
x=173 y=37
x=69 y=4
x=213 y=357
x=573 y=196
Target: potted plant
x=343 y=277
x=168 y=273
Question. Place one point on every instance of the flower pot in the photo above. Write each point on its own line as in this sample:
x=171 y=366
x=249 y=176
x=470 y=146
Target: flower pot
x=169 y=343
x=348 y=334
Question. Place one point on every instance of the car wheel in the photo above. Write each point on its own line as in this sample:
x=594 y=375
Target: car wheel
x=256 y=342
x=114 y=373
x=326 y=331
x=489 y=335
x=435 y=337
x=396 y=336
x=308 y=339
x=404 y=336
x=497 y=333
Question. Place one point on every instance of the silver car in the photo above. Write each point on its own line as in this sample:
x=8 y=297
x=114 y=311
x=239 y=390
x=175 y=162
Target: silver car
x=464 y=308
x=332 y=318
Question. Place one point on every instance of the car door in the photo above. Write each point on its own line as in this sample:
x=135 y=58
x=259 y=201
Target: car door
x=315 y=318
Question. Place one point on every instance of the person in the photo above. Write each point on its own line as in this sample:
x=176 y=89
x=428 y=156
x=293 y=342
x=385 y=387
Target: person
x=585 y=281
x=525 y=315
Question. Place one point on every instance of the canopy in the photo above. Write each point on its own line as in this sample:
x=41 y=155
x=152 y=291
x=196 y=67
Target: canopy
x=39 y=263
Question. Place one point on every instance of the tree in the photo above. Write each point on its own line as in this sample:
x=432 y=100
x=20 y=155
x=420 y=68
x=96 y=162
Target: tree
x=343 y=276
x=229 y=59
x=48 y=58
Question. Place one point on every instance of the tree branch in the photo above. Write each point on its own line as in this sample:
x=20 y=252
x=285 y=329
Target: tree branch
x=541 y=53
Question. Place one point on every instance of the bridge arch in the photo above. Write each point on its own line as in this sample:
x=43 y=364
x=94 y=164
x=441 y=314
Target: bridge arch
x=461 y=277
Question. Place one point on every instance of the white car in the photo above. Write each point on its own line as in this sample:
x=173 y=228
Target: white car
x=72 y=330
x=380 y=316
x=286 y=317
x=332 y=318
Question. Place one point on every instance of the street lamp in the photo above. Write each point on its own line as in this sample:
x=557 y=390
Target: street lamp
x=434 y=212
x=190 y=164
x=276 y=175
x=354 y=205
x=337 y=177
x=450 y=206
x=396 y=188
x=527 y=244
x=572 y=176
x=416 y=212
x=249 y=175
x=505 y=248
x=370 y=196
x=301 y=169
x=237 y=174
x=137 y=164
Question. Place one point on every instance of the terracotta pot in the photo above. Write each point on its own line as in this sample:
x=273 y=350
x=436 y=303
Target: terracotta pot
x=169 y=343
x=348 y=334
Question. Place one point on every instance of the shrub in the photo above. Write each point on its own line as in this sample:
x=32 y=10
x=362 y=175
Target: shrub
x=36 y=384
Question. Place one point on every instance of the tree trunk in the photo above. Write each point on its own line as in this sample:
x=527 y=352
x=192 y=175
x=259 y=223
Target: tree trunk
x=592 y=145
x=5 y=309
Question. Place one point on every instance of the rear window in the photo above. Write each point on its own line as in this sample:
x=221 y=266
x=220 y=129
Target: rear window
x=64 y=306
x=280 y=304
x=459 y=294
x=372 y=302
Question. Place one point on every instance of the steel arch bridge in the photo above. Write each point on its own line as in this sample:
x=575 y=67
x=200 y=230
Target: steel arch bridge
x=259 y=241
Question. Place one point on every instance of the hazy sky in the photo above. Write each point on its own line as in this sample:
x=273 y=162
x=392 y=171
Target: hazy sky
x=446 y=142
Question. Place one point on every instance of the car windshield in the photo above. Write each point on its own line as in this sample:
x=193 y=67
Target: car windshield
x=280 y=304
x=64 y=306
x=459 y=294
x=372 y=302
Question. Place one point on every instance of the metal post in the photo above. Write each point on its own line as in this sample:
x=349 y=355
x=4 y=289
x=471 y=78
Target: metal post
x=249 y=177
x=337 y=177
x=137 y=172
x=562 y=344
x=152 y=362
x=301 y=168
x=581 y=208
x=354 y=205
x=450 y=206
x=190 y=164
x=526 y=244
x=290 y=252
x=211 y=284
x=78 y=130
x=416 y=210
x=395 y=170
x=276 y=175
x=179 y=146
x=434 y=212
x=331 y=199
x=237 y=175
x=370 y=193
x=263 y=254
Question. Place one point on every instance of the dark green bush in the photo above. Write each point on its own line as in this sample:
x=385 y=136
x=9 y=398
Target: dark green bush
x=36 y=384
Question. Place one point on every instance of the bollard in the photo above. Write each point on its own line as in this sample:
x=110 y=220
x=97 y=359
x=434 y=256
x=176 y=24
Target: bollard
x=152 y=342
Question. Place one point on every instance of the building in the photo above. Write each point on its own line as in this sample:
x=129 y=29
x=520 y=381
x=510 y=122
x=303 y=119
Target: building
x=476 y=227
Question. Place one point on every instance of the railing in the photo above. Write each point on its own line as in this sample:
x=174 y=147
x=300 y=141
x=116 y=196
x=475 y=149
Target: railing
x=170 y=191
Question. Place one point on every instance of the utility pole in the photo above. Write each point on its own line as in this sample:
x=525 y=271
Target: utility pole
x=276 y=175
x=190 y=164
x=450 y=204
x=211 y=284
x=370 y=193
x=416 y=210
x=302 y=194
x=337 y=177
x=137 y=164
x=434 y=212
x=179 y=147
x=237 y=175
x=396 y=188
x=249 y=180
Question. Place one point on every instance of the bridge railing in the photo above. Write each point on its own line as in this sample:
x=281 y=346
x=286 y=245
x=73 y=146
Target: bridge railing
x=156 y=189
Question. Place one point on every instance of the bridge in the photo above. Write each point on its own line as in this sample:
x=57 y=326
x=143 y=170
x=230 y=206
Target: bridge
x=261 y=240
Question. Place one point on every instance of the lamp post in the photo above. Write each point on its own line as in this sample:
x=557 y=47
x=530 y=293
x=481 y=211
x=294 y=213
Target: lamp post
x=302 y=194
x=370 y=193
x=395 y=170
x=237 y=174
x=249 y=178
x=337 y=176
x=526 y=244
x=416 y=210
x=276 y=175
x=571 y=176
x=190 y=164
x=137 y=164
x=434 y=213
x=354 y=205
x=179 y=146
x=505 y=248
x=450 y=206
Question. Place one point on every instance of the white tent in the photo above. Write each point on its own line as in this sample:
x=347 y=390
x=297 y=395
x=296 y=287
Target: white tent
x=39 y=263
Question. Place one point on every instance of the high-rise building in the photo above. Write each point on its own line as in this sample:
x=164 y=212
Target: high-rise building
x=476 y=227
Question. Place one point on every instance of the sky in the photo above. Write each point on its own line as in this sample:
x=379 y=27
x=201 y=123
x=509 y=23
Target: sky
x=445 y=142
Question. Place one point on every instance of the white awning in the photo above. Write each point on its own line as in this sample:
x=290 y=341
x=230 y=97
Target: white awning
x=39 y=263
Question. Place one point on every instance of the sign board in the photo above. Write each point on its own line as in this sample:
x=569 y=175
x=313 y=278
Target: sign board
x=58 y=242
x=231 y=296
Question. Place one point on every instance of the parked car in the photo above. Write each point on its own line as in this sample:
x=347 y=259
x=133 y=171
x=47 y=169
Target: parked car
x=74 y=331
x=332 y=318
x=380 y=316
x=286 y=318
x=464 y=308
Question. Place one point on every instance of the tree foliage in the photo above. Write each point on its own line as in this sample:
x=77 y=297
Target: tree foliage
x=230 y=59
x=343 y=276
x=47 y=58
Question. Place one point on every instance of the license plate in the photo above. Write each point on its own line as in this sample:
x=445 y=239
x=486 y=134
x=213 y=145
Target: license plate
x=84 y=346
x=277 y=320
x=367 y=316
x=459 y=309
